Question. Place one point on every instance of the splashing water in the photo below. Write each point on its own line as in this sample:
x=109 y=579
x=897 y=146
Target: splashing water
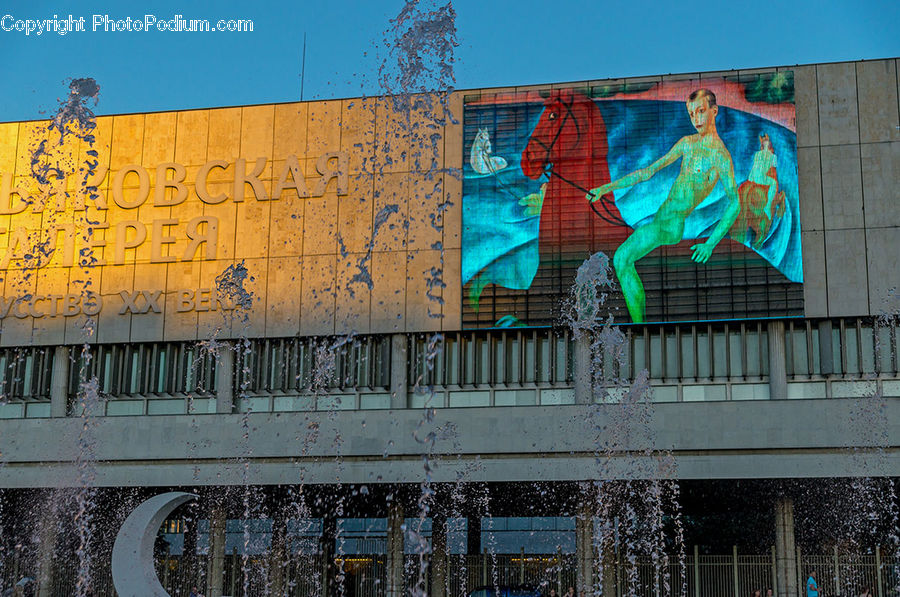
x=74 y=111
x=629 y=513
x=50 y=164
x=231 y=289
x=860 y=508
x=421 y=41
x=230 y=285
x=363 y=276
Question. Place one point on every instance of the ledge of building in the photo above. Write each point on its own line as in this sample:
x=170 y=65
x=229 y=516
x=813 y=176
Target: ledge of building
x=753 y=439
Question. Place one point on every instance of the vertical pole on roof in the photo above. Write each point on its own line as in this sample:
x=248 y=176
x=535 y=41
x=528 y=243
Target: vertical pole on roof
x=303 y=66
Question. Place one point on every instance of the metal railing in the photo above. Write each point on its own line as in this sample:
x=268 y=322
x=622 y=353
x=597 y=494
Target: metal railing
x=823 y=358
x=25 y=373
x=514 y=357
x=156 y=368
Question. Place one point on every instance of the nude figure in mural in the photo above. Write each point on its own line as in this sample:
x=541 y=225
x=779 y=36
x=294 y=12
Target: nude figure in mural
x=762 y=203
x=704 y=162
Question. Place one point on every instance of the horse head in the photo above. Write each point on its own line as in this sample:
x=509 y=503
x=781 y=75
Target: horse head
x=561 y=132
x=570 y=140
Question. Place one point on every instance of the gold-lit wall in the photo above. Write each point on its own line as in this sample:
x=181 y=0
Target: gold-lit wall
x=159 y=247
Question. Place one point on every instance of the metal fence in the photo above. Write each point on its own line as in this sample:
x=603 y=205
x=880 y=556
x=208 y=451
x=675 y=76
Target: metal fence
x=844 y=574
x=465 y=572
x=365 y=575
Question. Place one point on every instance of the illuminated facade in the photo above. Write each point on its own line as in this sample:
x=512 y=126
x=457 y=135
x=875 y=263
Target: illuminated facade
x=364 y=229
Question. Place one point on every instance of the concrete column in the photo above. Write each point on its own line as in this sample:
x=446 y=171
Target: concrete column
x=59 y=382
x=47 y=550
x=216 y=581
x=879 y=582
x=399 y=371
x=277 y=554
x=608 y=570
x=234 y=574
x=584 y=550
x=329 y=531
x=394 y=560
x=584 y=383
x=785 y=549
x=225 y=380
x=777 y=358
x=438 y=554
x=826 y=357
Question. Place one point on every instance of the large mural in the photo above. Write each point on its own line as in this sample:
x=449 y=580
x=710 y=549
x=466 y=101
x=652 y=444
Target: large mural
x=689 y=187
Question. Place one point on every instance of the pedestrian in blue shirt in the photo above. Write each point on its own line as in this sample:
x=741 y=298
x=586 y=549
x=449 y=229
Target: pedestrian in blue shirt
x=812 y=588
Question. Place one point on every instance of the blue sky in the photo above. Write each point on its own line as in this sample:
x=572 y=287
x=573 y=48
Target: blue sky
x=500 y=43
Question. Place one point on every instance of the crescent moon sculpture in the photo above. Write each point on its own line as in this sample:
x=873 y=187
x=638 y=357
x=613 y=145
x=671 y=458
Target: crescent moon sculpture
x=133 y=571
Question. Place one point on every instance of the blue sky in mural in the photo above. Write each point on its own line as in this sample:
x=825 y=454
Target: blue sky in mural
x=501 y=43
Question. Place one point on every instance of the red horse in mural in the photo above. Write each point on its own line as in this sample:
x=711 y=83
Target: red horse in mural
x=569 y=142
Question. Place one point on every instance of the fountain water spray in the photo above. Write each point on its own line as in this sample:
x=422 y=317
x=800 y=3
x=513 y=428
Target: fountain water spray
x=52 y=161
x=629 y=513
x=417 y=77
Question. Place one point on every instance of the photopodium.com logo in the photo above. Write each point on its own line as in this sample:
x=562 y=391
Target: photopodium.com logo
x=108 y=24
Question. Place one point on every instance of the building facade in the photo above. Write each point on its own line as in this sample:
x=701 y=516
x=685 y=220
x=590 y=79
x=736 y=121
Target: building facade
x=328 y=297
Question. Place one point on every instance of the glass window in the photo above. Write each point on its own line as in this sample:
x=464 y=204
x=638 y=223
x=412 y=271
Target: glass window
x=671 y=354
x=816 y=352
x=106 y=384
x=688 y=366
x=468 y=352
x=735 y=354
x=438 y=371
x=501 y=359
x=529 y=346
x=451 y=358
x=543 y=358
x=615 y=354
x=752 y=338
x=885 y=352
x=703 y=366
x=656 y=364
x=561 y=366
x=799 y=356
x=851 y=342
x=894 y=339
x=482 y=347
x=624 y=367
x=720 y=352
x=638 y=352
x=867 y=349
x=513 y=358
x=29 y=371
x=836 y=350
x=162 y=367
x=135 y=373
